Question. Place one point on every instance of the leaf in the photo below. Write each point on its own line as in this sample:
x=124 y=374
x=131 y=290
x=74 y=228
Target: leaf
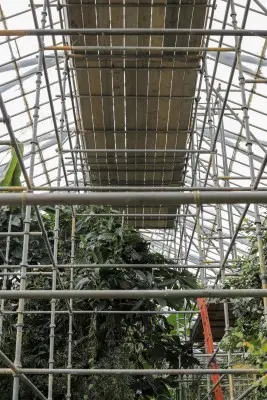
x=239 y=335
x=149 y=278
x=172 y=319
x=81 y=283
x=158 y=352
x=138 y=304
x=12 y=172
x=146 y=365
x=167 y=282
x=162 y=302
x=16 y=221
x=172 y=381
x=102 y=305
x=162 y=390
x=106 y=236
x=264 y=381
x=249 y=345
x=175 y=304
x=187 y=280
x=141 y=275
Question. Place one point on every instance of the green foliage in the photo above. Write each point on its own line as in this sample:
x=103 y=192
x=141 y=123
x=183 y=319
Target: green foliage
x=99 y=388
x=99 y=340
x=250 y=330
x=12 y=172
x=248 y=311
x=257 y=349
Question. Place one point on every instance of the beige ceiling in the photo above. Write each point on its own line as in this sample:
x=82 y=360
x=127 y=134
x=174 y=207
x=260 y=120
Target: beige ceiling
x=136 y=101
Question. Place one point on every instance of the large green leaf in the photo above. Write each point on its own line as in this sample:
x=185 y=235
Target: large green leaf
x=12 y=173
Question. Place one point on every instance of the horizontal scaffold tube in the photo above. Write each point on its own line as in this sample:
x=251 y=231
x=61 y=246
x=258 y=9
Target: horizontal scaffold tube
x=85 y=312
x=127 y=188
x=138 y=266
x=132 y=31
x=135 y=199
x=140 y=48
x=72 y=371
x=131 y=294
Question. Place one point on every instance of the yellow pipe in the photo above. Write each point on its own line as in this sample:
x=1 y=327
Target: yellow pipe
x=12 y=32
x=12 y=188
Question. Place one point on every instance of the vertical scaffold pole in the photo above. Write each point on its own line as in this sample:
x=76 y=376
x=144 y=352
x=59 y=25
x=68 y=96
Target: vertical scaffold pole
x=227 y=184
x=27 y=220
x=72 y=261
x=219 y=224
x=4 y=284
x=70 y=332
x=56 y=241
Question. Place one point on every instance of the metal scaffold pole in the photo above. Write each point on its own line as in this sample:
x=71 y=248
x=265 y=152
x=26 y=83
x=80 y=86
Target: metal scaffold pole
x=27 y=221
x=142 y=199
x=219 y=230
x=134 y=294
x=4 y=282
x=132 y=31
x=71 y=314
x=132 y=372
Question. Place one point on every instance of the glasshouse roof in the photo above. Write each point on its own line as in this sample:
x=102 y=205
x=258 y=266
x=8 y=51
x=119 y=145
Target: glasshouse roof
x=135 y=110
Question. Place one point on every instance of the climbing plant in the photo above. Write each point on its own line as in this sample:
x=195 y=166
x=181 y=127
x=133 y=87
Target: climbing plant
x=99 y=340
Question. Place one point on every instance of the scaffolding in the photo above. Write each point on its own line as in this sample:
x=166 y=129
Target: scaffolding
x=154 y=108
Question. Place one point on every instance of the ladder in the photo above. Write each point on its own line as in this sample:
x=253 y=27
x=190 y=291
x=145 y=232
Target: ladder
x=202 y=305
